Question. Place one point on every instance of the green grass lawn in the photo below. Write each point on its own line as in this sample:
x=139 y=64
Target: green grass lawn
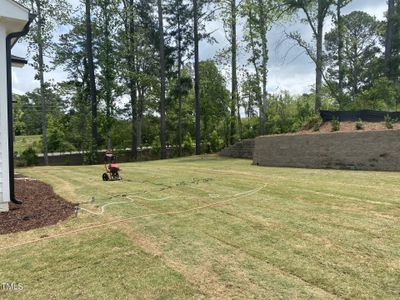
x=23 y=142
x=212 y=228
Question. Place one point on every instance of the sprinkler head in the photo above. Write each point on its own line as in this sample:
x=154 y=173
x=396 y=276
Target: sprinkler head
x=77 y=208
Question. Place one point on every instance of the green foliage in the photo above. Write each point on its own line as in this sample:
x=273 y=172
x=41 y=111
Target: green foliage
x=26 y=141
x=389 y=122
x=251 y=93
x=216 y=143
x=250 y=127
x=90 y=157
x=335 y=124
x=289 y=114
x=214 y=97
x=359 y=124
x=56 y=139
x=360 y=61
x=121 y=134
x=315 y=122
x=380 y=96
x=29 y=157
x=156 y=147
x=188 y=144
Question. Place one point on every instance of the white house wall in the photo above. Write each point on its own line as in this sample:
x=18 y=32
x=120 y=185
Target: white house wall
x=4 y=167
x=13 y=18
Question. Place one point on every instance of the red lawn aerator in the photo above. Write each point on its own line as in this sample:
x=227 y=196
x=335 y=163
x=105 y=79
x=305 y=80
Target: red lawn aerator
x=112 y=173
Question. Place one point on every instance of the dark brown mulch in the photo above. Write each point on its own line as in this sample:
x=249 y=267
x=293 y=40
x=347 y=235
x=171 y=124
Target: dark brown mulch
x=41 y=207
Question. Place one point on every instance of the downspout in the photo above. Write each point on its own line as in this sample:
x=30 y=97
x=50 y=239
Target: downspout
x=13 y=35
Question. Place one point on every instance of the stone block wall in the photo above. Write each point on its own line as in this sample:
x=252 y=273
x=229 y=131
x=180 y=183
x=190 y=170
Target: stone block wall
x=243 y=149
x=369 y=150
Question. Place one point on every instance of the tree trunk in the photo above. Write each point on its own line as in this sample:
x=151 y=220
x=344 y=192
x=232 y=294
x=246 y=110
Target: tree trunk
x=239 y=119
x=133 y=96
x=196 y=77
x=92 y=79
x=264 y=103
x=139 y=118
x=180 y=129
x=264 y=70
x=42 y=84
x=319 y=62
x=132 y=83
x=389 y=39
x=163 y=153
x=108 y=65
x=340 y=51
x=234 y=100
x=261 y=98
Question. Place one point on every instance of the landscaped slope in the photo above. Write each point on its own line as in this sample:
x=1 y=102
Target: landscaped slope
x=213 y=227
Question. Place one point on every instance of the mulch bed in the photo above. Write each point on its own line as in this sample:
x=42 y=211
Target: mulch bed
x=351 y=126
x=346 y=127
x=41 y=207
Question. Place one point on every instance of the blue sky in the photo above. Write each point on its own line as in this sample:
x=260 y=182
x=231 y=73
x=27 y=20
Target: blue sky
x=293 y=72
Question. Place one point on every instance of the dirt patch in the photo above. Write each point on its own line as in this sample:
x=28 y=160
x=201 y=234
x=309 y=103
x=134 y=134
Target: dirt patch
x=41 y=207
x=326 y=127
x=351 y=126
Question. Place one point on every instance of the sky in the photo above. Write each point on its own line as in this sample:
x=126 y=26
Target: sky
x=289 y=67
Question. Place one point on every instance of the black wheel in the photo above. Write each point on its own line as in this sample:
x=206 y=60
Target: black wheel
x=105 y=177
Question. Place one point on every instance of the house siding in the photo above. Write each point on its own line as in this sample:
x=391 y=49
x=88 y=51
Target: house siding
x=4 y=166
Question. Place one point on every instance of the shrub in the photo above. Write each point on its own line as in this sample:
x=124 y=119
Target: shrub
x=216 y=143
x=156 y=147
x=314 y=122
x=389 y=122
x=188 y=144
x=335 y=124
x=29 y=157
x=89 y=157
x=359 y=124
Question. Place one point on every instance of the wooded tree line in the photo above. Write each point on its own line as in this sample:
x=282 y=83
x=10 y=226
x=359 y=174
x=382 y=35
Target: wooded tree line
x=135 y=77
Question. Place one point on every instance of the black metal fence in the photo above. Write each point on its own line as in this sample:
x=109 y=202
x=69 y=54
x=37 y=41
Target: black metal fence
x=353 y=116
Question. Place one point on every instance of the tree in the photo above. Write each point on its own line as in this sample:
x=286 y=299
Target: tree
x=50 y=13
x=315 y=12
x=360 y=50
x=146 y=72
x=340 y=4
x=106 y=60
x=196 y=40
x=389 y=38
x=91 y=71
x=180 y=107
x=260 y=15
x=128 y=40
x=251 y=94
x=229 y=12
x=162 y=81
x=393 y=62
x=71 y=54
x=214 y=98
x=199 y=17
x=180 y=30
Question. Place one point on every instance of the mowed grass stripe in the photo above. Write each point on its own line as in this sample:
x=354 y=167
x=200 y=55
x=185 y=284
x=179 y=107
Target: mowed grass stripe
x=308 y=234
